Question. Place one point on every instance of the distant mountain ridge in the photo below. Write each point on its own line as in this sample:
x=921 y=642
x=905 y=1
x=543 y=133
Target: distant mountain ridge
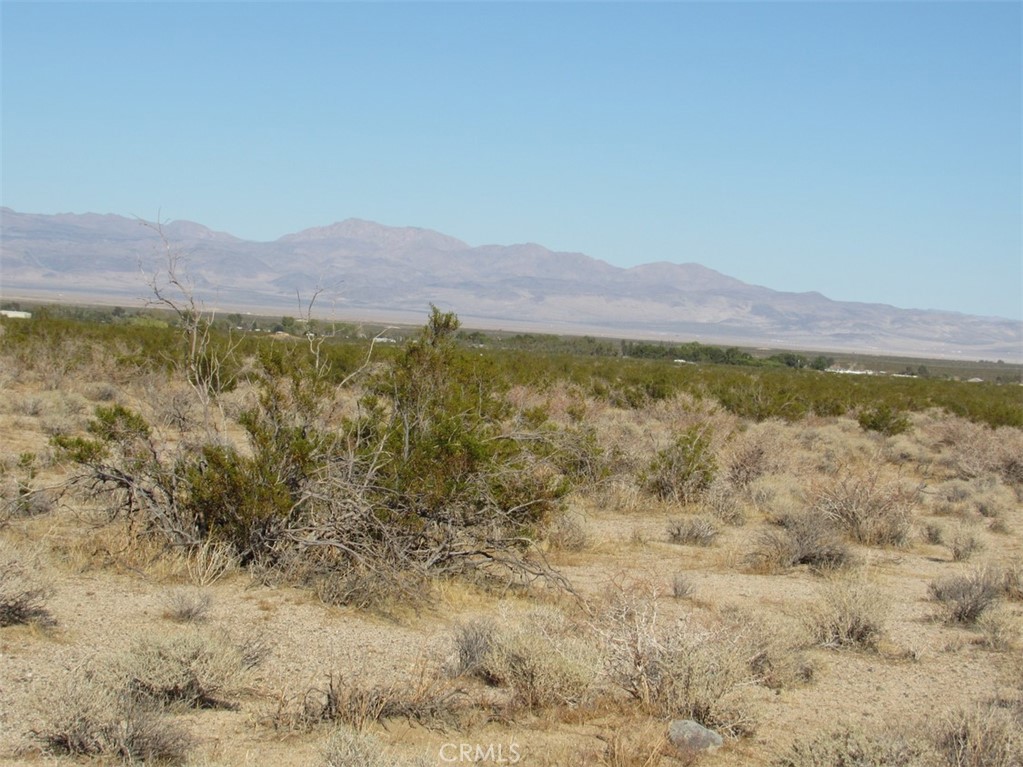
x=362 y=266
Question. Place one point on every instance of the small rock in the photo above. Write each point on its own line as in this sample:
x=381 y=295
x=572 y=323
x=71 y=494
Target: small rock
x=688 y=735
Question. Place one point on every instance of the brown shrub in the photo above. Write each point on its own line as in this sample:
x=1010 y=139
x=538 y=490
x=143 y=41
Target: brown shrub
x=874 y=511
x=693 y=531
x=965 y=597
x=87 y=716
x=23 y=594
x=802 y=539
x=848 y=614
x=984 y=736
x=854 y=747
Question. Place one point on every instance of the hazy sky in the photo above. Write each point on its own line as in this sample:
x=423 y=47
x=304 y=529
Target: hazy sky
x=870 y=151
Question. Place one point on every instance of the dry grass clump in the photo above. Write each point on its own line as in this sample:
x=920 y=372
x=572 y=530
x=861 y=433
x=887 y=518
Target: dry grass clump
x=932 y=533
x=681 y=586
x=999 y=630
x=972 y=450
x=875 y=512
x=964 y=598
x=802 y=538
x=1012 y=580
x=693 y=531
x=725 y=503
x=210 y=561
x=568 y=533
x=23 y=594
x=350 y=748
x=855 y=747
x=350 y=702
x=85 y=715
x=188 y=667
x=983 y=736
x=848 y=614
x=964 y=544
x=542 y=660
x=187 y=606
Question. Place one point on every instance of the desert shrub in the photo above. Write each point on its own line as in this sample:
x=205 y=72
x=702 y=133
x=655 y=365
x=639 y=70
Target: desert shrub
x=873 y=511
x=854 y=747
x=20 y=496
x=187 y=606
x=965 y=597
x=23 y=594
x=693 y=531
x=197 y=670
x=933 y=533
x=349 y=748
x=803 y=538
x=685 y=672
x=884 y=419
x=350 y=702
x=984 y=736
x=568 y=533
x=541 y=660
x=683 y=471
x=422 y=478
x=998 y=630
x=474 y=645
x=722 y=501
x=964 y=544
x=383 y=589
x=681 y=586
x=86 y=716
x=848 y=614
x=746 y=463
x=1012 y=580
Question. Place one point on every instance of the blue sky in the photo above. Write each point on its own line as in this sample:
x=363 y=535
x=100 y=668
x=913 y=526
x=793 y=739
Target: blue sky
x=869 y=151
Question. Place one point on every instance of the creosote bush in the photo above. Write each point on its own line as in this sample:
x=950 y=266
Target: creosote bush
x=884 y=419
x=415 y=473
x=683 y=471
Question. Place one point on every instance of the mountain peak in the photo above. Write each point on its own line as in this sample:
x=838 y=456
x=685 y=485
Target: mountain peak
x=377 y=235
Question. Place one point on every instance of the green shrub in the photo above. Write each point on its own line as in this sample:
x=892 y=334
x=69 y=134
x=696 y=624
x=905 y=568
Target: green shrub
x=683 y=471
x=884 y=419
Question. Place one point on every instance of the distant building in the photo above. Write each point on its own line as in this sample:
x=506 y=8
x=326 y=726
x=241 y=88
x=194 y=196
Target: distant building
x=11 y=314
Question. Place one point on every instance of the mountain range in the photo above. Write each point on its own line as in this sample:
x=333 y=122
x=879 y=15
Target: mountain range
x=371 y=271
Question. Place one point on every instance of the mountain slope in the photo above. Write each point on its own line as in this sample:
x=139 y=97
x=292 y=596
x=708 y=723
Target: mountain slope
x=364 y=266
